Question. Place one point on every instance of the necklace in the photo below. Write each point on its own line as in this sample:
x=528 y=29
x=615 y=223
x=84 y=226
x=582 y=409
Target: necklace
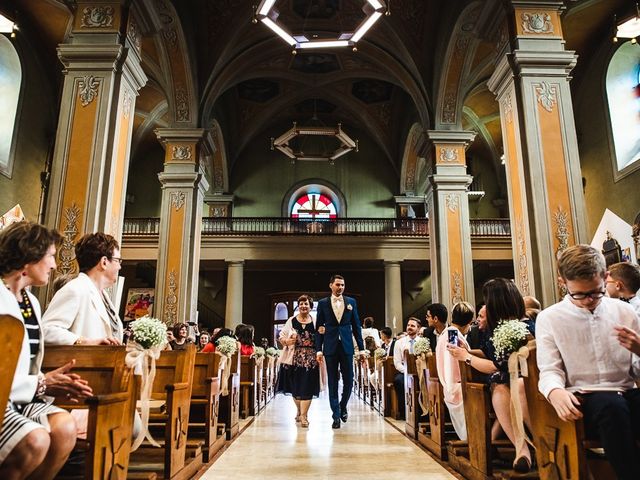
x=25 y=305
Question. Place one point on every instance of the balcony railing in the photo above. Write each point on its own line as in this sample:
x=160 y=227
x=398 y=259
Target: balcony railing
x=253 y=226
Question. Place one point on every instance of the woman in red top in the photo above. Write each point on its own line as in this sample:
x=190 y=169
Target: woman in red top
x=211 y=346
x=244 y=334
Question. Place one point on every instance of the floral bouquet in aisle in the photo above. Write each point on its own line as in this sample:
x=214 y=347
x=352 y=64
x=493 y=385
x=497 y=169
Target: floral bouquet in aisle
x=143 y=349
x=422 y=350
x=510 y=339
x=226 y=347
x=379 y=354
x=259 y=354
x=272 y=352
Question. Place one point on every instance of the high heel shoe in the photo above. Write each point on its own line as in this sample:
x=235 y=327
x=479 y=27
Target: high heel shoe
x=304 y=422
x=522 y=464
x=298 y=418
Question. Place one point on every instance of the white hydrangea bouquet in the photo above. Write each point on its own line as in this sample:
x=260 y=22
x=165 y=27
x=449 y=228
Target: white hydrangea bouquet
x=422 y=350
x=227 y=346
x=272 y=352
x=258 y=352
x=148 y=339
x=379 y=353
x=422 y=346
x=508 y=337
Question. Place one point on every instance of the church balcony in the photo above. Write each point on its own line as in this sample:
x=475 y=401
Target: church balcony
x=275 y=238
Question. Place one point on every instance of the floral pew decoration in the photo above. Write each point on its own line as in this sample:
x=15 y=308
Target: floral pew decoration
x=259 y=354
x=422 y=350
x=509 y=339
x=379 y=356
x=143 y=349
x=226 y=347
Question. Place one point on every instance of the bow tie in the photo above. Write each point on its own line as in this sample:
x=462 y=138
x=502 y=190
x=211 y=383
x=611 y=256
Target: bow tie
x=336 y=299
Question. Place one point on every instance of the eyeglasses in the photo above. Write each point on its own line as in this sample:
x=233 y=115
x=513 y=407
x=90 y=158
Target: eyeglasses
x=595 y=295
x=116 y=259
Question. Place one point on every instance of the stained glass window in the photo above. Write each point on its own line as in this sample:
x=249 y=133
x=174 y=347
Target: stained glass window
x=313 y=206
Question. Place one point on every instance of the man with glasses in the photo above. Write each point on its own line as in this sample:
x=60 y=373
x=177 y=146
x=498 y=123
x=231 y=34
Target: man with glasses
x=81 y=312
x=585 y=371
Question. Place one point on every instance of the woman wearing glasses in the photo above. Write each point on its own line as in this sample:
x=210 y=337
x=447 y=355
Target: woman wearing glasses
x=81 y=312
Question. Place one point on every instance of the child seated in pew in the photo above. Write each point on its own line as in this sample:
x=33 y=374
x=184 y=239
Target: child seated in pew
x=449 y=368
x=586 y=370
x=244 y=334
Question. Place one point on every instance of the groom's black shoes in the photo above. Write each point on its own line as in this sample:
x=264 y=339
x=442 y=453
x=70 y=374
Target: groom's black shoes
x=336 y=423
x=344 y=415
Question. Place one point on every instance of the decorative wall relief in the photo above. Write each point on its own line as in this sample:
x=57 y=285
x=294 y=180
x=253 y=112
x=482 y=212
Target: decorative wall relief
x=133 y=32
x=66 y=254
x=456 y=288
x=561 y=219
x=171 y=300
x=546 y=95
x=126 y=104
x=181 y=153
x=452 y=201
x=448 y=155
x=88 y=89
x=177 y=200
x=523 y=267
x=97 y=17
x=182 y=104
x=508 y=107
x=537 y=23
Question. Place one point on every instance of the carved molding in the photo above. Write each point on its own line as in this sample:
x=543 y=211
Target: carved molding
x=182 y=105
x=448 y=155
x=508 y=107
x=537 y=23
x=449 y=108
x=523 y=264
x=452 y=201
x=171 y=300
x=134 y=35
x=88 y=89
x=126 y=104
x=181 y=153
x=177 y=200
x=456 y=288
x=561 y=220
x=97 y=17
x=546 y=95
x=67 y=254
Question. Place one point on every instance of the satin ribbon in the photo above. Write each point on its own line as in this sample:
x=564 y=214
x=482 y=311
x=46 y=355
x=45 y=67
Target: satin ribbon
x=423 y=397
x=225 y=365
x=518 y=365
x=143 y=363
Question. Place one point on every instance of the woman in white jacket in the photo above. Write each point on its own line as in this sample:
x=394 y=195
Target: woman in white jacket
x=36 y=437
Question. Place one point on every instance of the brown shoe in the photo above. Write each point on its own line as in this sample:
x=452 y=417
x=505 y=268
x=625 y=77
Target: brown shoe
x=522 y=465
x=304 y=422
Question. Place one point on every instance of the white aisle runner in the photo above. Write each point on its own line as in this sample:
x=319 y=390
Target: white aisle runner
x=275 y=447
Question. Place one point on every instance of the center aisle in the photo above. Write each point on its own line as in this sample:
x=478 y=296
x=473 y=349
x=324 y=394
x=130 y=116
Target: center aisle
x=275 y=447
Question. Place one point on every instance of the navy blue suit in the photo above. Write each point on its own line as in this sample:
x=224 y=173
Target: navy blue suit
x=336 y=344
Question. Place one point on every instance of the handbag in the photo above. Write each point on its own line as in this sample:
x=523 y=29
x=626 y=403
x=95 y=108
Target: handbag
x=286 y=356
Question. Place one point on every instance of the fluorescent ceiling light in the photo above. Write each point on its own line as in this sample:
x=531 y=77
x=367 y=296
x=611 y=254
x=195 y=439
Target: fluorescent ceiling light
x=377 y=4
x=279 y=31
x=265 y=6
x=6 y=25
x=366 y=25
x=629 y=29
x=325 y=44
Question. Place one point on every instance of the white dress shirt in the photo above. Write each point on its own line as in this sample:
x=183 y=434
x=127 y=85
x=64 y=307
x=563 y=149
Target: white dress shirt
x=372 y=332
x=337 y=304
x=579 y=351
x=401 y=345
x=635 y=303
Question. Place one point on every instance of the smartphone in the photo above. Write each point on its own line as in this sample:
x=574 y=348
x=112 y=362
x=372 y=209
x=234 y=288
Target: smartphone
x=453 y=337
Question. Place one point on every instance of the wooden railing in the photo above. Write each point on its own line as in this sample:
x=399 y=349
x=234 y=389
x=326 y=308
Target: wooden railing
x=251 y=226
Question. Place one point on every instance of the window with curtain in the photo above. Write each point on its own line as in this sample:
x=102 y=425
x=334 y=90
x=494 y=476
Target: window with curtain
x=10 y=79
x=623 y=95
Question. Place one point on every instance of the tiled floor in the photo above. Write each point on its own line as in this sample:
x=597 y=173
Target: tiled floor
x=274 y=447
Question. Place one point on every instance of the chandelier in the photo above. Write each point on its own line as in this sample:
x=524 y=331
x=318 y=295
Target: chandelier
x=267 y=14
x=628 y=29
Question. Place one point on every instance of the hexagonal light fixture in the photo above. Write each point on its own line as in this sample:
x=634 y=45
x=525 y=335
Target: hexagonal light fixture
x=283 y=144
x=267 y=14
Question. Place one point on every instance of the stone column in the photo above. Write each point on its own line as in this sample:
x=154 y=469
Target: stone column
x=531 y=83
x=393 y=296
x=102 y=76
x=235 y=279
x=449 y=230
x=183 y=188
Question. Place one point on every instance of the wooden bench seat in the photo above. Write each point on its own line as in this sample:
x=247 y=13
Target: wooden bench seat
x=11 y=336
x=411 y=391
x=248 y=387
x=391 y=401
x=229 y=411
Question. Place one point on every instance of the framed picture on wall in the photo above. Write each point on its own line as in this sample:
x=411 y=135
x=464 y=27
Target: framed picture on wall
x=139 y=303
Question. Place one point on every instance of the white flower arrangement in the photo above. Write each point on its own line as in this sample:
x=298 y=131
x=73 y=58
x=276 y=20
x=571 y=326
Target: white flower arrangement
x=365 y=353
x=258 y=352
x=508 y=337
x=149 y=332
x=227 y=346
x=421 y=346
x=379 y=353
x=272 y=352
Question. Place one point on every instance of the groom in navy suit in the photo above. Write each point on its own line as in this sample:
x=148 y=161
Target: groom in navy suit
x=339 y=317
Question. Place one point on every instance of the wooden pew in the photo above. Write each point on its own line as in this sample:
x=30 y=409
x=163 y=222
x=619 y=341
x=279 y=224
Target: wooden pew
x=411 y=391
x=169 y=426
x=438 y=431
x=229 y=412
x=205 y=404
x=374 y=390
x=260 y=396
x=248 y=387
x=380 y=394
x=391 y=408
x=111 y=409
x=561 y=449
x=11 y=336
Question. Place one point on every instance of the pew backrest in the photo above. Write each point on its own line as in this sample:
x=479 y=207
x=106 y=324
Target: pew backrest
x=11 y=336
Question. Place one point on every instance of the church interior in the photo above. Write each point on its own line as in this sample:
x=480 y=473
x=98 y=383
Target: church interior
x=241 y=165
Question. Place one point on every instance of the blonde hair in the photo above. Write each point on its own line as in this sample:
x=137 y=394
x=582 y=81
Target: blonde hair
x=462 y=314
x=581 y=262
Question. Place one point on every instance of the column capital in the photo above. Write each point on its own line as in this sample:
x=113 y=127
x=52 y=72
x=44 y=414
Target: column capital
x=556 y=4
x=450 y=182
x=392 y=263
x=234 y=262
x=90 y=57
x=451 y=137
x=180 y=135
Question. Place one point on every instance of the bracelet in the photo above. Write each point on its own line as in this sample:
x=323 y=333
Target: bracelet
x=41 y=389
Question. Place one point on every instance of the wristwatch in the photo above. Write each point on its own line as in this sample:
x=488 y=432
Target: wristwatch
x=468 y=360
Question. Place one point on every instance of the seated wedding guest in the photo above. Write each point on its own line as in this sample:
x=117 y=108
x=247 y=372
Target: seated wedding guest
x=36 y=437
x=404 y=343
x=436 y=317
x=584 y=371
x=369 y=330
x=203 y=340
x=388 y=341
x=448 y=367
x=370 y=345
x=180 y=339
x=218 y=333
x=532 y=307
x=503 y=302
x=623 y=282
x=475 y=336
x=244 y=334
x=81 y=313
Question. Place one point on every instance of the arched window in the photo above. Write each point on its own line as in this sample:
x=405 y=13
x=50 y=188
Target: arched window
x=10 y=79
x=314 y=199
x=623 y=94
x=313 y=206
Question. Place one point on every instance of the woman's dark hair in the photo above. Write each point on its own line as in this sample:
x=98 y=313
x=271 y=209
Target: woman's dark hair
x=177 y=327
x=22 y=243
x=462 y=314
x=306 y=298
x=223 y=332
x=370 y=343
x=368 y=322
x=92 y=247
x=503 y=301
x=244 y=334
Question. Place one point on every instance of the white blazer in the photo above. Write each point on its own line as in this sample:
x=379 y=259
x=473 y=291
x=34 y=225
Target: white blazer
x=78 y=310
x=25 y=380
